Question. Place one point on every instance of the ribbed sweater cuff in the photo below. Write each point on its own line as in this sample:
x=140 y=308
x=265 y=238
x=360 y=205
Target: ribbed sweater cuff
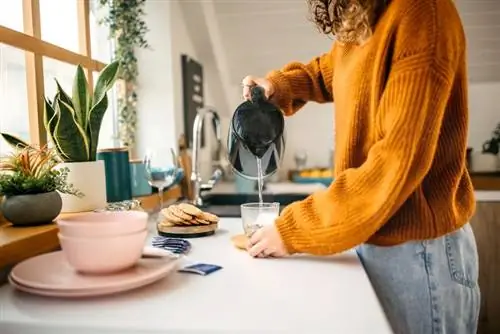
x=282 y=95
x=287 y=230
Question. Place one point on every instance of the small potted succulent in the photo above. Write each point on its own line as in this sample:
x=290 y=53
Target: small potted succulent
x=31 y=185
x=487 y=160
x=73 y=124
x=492 y=145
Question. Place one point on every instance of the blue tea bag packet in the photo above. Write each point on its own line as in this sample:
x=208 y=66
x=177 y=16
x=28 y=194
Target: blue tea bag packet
x=202 y=269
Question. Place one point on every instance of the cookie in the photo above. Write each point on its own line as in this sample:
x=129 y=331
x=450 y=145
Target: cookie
x=176 y=211
x=166 y=223
x=240 y=241
x=193 y=222
x=170 y=217
x=201 y=221
x=209 y=217
x=190 y=209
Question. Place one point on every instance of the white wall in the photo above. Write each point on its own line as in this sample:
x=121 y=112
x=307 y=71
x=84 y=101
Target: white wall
x=484 y=111
x=156 y=128
x=311 y=130
x=160 y=107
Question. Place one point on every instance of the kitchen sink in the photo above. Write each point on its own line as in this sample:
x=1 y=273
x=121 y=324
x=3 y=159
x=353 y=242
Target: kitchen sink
x=228 y=205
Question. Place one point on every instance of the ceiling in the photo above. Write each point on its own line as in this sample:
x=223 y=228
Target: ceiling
x=260 y=35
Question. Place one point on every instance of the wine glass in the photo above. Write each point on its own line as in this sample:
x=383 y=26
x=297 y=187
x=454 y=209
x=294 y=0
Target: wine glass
x=161 y=171
x=300 y=158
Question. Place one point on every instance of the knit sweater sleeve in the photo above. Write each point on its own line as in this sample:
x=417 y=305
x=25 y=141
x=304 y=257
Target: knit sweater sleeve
x=361 y=200
x=297 y=83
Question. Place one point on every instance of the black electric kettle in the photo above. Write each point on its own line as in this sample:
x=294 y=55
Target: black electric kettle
x=257 y=131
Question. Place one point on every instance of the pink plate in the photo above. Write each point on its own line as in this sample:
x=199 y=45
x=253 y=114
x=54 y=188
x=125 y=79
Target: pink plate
x=51 y=275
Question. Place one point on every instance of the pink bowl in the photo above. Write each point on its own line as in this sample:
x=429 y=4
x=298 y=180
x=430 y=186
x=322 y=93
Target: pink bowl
x=102 y=224
x=103 y=255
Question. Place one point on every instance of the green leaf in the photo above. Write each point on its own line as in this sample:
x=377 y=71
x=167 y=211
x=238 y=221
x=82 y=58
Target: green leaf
x=50 y=119
x=81 y=98
x=48 y=116
x=14 y=141
x=61 y=95
x=105 y=81
x=69 y=135
x=96 y=115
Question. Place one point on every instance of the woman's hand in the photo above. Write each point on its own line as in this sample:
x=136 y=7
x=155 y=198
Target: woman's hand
x=251 y=81
x=266 y=242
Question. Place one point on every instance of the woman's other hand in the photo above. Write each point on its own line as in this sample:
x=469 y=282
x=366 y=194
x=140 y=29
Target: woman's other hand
x=251 y=81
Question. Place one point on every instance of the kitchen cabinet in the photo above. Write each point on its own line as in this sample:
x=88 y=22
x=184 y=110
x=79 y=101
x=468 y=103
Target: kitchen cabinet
x=486 y=226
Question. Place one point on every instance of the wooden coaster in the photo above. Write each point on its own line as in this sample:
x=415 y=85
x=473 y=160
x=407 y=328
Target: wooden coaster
x=192 y=231
x=240 y=241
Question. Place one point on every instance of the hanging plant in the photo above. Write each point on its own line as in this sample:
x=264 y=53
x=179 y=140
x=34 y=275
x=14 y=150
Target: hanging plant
x=127 y=27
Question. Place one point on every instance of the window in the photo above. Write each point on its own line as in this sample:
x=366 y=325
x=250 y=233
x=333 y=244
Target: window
x=59 y=22
x=68 y=34
x=13 y=95
x=102 y=47
x=11 y=15
x=63 y=72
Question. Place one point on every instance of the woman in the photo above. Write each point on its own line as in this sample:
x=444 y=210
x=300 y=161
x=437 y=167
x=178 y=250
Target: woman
x=402 y=194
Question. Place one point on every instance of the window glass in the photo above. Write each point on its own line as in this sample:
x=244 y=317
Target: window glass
x=11 y=14
x=59 y=23
x=14 y=115
x=63 y=72
x=101 y=44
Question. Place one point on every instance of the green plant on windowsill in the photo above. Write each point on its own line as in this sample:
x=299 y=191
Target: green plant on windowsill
x=73 y=123
x=31 y=185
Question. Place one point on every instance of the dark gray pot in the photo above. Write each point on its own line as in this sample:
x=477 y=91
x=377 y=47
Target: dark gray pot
x=37 y=209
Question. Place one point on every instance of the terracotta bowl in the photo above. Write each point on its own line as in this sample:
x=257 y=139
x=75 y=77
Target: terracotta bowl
x=103 y=255
x=102 y=224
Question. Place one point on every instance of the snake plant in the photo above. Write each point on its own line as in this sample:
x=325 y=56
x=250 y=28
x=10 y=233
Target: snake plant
x=73 y=123
x=15 y=142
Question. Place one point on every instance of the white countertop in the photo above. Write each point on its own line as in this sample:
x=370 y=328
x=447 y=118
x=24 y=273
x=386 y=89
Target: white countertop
x=309 y=188
x=295 y=295
x=487 y=196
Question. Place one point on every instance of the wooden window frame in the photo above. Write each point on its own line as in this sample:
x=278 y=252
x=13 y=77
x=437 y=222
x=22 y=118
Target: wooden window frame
x=29 y=40
x=17 y=244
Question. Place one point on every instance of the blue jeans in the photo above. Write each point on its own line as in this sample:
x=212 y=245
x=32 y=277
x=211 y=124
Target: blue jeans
x=427 y=287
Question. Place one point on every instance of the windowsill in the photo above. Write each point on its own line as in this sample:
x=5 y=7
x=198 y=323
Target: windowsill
x=20 y=243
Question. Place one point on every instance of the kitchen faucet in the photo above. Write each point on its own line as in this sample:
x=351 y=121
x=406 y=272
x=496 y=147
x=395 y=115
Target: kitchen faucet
x=196 y=180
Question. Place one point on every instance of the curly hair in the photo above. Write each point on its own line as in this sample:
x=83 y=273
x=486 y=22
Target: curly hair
x=350 y=21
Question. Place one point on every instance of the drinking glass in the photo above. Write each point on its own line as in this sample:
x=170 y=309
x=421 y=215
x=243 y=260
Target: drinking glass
x=300 y=158
x=161 y=171
x=257 y=215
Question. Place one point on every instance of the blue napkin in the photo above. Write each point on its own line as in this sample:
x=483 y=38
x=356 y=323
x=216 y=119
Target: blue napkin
x=174 y=245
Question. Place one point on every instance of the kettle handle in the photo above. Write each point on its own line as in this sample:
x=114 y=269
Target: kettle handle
x=257 y=94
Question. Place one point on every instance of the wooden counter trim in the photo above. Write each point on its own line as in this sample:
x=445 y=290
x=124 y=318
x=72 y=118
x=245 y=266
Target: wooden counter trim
x=20 y=243
x=485 y=181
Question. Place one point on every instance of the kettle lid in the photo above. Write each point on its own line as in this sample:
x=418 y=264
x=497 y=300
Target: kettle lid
x=258 y=122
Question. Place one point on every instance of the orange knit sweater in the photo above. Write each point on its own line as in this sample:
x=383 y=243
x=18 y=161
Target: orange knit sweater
x=401 y=121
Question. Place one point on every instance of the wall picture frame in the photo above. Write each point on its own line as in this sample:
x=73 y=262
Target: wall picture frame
x=193 y=95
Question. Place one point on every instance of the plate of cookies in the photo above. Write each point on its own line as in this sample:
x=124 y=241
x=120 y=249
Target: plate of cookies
x=184 y=220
